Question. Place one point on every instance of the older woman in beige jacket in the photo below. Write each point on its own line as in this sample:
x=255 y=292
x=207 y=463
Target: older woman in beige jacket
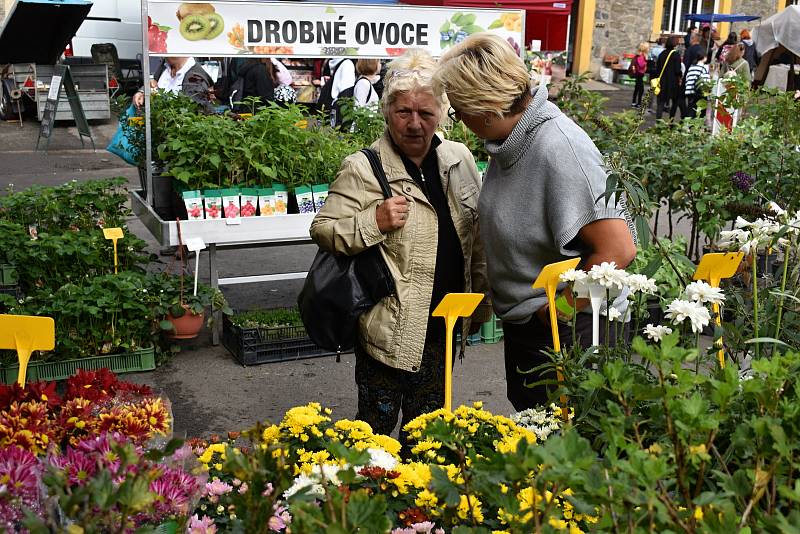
x=428 y=234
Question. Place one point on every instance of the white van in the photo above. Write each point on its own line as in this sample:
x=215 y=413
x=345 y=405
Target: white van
x=111 y=21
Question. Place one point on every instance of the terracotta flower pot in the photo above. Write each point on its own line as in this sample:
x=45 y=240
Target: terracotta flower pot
x=186 y=326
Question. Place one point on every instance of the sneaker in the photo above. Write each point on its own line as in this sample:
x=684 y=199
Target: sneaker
x=634 y=105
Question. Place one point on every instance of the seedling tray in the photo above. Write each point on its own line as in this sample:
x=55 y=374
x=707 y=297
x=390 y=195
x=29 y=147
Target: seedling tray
x=492 y=330
x=254 y=346
x=129 y=362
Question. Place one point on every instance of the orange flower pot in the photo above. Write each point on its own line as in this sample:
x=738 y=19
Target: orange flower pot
x=186 y=326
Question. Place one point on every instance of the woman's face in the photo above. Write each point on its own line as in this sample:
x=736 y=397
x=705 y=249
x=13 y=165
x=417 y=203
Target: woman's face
x=412 y=120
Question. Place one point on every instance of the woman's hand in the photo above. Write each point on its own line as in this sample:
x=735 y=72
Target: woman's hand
x=392 y=214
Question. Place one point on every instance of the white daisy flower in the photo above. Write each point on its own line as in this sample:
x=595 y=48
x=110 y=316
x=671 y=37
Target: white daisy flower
x=641 y=283
x=572 y=275
x=614 y=314
x=656 y=333
x=607 y=275
x=703 y=293
x=680 y=310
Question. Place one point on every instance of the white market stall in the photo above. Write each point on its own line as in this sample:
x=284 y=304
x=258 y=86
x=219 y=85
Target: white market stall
x=287 y=30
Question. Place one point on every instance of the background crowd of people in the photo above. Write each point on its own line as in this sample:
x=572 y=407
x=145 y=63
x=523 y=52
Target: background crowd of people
x=683 y=64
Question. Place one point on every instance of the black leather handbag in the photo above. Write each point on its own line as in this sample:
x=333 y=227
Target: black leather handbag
x=339 y=288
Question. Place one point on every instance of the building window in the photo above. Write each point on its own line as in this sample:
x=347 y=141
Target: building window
x=674 y=11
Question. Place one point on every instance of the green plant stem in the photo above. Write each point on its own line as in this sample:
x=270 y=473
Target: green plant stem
x=786 y=256
x=755 y=302
x=608 y=320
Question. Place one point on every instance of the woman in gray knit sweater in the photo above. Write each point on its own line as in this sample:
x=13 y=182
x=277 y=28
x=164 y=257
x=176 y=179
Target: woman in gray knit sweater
x=541 y=200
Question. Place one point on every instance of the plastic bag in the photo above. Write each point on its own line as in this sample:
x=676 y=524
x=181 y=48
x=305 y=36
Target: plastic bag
x=120 y=145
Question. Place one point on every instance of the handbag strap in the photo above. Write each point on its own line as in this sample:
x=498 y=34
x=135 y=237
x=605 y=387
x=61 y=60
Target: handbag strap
x=665 y=64
x=377 y=170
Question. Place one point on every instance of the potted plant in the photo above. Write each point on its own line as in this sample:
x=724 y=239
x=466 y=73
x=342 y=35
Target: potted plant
x=183 y=310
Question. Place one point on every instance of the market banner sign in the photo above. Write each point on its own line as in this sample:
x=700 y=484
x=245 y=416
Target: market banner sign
x=303 y=29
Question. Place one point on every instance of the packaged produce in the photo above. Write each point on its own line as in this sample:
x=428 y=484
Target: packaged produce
x=320 y=192
x=249 y=201
x=266 y=202
x=230 y=203
x=194 y=205
x=281 y=198
x=213 y=202
x=305 y=199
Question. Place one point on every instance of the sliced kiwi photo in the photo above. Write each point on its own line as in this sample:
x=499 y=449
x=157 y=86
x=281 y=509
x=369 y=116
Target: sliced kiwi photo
x=195 y=27
x=217 y=25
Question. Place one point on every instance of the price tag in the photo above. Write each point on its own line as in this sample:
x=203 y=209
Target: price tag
x=233 y=220
x=55 y=85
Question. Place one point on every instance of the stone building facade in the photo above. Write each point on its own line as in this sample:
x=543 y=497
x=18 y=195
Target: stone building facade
x=620 y=25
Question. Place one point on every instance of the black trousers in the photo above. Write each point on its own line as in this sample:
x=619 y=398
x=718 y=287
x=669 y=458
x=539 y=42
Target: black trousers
x=638 y=89
x=679 y=102
x=383 y=390
x=691 y=105
x=524 y=346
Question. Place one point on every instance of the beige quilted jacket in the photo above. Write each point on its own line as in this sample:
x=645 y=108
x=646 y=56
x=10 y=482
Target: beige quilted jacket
x=393 y=332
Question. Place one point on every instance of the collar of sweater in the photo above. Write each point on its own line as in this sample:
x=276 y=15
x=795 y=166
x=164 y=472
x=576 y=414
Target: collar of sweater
x=510 y=150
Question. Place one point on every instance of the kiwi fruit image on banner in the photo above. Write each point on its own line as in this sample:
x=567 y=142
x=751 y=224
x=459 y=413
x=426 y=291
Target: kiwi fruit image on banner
x=199 y=21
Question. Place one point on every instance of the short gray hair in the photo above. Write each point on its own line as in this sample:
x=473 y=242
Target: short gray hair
x=413 y=71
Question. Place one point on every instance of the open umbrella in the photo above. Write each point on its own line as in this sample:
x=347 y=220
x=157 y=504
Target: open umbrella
x=711 y=18
x=781 y=29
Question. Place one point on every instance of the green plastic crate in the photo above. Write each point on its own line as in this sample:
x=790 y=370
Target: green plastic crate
x=625 y=79
x=129 y=362
x=8 y=275
x=492 y=330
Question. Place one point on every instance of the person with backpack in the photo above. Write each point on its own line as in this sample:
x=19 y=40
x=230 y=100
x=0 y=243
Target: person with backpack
x=697 y=73
x=638 y=69
x=364 y=93
x=343 y=75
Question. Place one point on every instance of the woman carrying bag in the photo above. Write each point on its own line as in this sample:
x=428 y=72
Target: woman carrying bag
x=427 y=233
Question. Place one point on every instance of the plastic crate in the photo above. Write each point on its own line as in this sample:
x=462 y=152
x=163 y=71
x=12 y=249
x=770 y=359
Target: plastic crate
x=254 y=346
x=129 y=362
x=492 y=330
x=625 y=79
x=8 y=274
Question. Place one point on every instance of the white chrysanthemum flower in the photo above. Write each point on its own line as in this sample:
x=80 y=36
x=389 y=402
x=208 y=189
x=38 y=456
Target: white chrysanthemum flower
x=607 y=275
x=614 y=314
x=680 y=310
x=572 y=275
x=656 y=333
x=703 y=293
x=642 y=284
x=381 y=458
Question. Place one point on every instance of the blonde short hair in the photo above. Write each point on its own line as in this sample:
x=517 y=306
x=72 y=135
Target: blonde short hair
x=483 y=74
x=368 y=67
x=644 y=48
x=413 y=71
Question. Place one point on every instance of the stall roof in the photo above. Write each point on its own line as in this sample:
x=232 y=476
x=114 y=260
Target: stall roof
x=719 y=17
x=538 y=6
x=780 y=29
x=37 y=31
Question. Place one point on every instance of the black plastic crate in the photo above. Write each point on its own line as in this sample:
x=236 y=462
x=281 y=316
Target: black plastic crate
x=253 y=346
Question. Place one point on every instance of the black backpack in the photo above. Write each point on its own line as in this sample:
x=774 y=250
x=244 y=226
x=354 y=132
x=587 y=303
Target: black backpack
x=345 y=102
x=325 y=100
